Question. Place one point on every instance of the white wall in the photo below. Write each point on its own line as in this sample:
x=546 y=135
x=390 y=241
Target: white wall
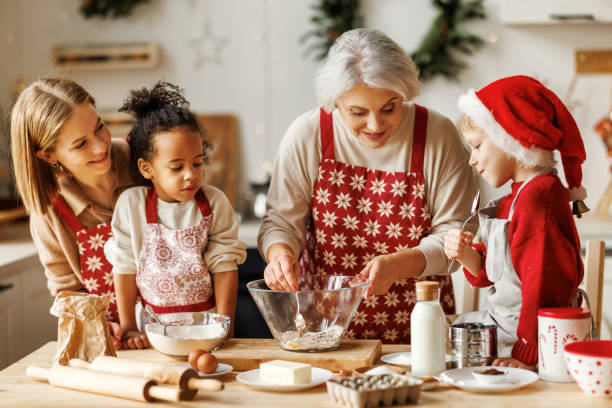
x=264 y=77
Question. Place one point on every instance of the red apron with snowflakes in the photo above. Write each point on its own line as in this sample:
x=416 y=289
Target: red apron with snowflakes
x=96 y=271
x=172 y=276
x=359 y=213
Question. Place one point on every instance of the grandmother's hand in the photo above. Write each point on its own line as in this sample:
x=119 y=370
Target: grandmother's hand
x=281 y=272
x=384 y=270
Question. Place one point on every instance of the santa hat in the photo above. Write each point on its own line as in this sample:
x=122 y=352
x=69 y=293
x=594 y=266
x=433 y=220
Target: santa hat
x=528 y=122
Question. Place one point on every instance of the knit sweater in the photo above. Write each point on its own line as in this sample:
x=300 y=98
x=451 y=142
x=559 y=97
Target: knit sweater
x=545 y=252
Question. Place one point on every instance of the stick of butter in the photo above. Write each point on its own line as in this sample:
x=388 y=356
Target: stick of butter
x=284 y=372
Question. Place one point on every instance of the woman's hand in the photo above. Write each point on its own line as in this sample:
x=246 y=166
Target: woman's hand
x=282 y=269
x=133 y=339
x=384 y=270
x=281 y=272
x=512 y=362
x=116 y=334
x=455 y=243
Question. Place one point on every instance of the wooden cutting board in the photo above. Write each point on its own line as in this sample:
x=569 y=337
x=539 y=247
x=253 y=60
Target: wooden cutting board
x=247 y=354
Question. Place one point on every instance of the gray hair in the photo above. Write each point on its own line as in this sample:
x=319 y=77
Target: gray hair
x=365 y=56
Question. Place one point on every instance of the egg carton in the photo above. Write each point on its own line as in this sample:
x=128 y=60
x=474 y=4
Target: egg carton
x=370 y=391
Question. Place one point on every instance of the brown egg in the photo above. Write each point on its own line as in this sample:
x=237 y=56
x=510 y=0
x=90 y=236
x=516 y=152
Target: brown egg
x=193 y=357
x=207 y=363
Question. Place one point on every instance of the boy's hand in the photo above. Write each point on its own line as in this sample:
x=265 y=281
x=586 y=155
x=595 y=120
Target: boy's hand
x=455 y=243
x=116 y=334
x=133 y=339
x=512 y=362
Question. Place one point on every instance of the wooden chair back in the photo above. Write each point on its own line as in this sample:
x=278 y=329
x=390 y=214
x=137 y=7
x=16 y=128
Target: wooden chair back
x=593 y=279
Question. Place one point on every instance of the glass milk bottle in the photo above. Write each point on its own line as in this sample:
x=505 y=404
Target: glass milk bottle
x=427 y=331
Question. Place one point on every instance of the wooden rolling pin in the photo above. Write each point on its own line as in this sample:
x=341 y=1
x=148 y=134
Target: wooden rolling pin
x=185 y=377
x=135 y=388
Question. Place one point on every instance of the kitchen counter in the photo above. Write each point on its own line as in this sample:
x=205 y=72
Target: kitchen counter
x=18 y=390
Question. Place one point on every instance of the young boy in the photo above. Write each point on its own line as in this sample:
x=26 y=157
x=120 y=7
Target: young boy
x=530 y=252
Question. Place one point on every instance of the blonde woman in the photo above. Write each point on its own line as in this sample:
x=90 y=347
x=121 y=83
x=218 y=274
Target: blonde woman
x=69 y=174
x=384 y=182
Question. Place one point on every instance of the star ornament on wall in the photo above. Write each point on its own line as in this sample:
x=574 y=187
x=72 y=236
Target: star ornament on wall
x=207 y=48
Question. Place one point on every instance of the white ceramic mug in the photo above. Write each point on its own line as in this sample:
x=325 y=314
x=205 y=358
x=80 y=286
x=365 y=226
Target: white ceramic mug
x=557 y=327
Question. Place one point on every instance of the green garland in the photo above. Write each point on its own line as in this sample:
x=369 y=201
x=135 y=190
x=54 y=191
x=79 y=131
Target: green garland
x=331 y=18
x=111 y=8
x=437 y=53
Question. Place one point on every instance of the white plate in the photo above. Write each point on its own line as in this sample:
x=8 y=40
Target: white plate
x=463 y=378
x=251 y=378
x=404 y=359
x=222 y=368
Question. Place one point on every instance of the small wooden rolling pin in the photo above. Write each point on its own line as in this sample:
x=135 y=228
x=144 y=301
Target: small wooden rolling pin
x=139 y=389
x=185 y=377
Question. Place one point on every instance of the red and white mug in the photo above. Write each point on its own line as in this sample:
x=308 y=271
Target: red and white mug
x=557 y=327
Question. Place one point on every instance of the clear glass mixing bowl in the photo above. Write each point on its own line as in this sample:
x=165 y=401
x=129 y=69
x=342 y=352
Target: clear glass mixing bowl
x=315 y=317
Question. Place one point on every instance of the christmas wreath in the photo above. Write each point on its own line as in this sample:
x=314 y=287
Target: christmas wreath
x=437 y=53
x=111 y=8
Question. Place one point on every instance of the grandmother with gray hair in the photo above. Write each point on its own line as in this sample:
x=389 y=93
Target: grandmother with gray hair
x=367 y=184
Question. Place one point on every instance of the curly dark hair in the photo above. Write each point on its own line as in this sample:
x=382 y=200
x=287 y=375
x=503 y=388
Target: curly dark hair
x=159 y=109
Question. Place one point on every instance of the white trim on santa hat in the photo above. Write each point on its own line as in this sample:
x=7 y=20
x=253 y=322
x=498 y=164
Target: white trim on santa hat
x=472 y=106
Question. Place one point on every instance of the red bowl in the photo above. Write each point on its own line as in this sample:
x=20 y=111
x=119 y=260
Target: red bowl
x=590 y=363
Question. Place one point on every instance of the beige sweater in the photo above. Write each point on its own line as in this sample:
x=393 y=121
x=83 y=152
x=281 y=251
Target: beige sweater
x=450 y=184
x=57 y=247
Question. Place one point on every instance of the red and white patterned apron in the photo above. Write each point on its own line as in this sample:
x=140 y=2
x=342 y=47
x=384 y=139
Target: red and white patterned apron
x=359 y=213
x=96 y=271
x=172 y=276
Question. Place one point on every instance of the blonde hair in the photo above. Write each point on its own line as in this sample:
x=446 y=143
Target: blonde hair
x=466 y=124
x=36 y=119
x=365 y=56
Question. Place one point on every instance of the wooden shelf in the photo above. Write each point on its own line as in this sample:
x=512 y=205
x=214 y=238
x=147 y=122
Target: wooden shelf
x=594 y=61
x=106 y=56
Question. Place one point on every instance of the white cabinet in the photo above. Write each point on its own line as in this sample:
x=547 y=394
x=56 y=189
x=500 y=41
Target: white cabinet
x=25 y=321
x=10 y=319
x=556 y=11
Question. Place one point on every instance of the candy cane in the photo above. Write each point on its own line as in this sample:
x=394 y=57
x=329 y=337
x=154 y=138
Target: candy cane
x=570 y=338
x=554 y=329
x=541 y=340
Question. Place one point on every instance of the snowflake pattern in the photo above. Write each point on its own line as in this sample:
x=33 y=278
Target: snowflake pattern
x=357 y=182
x=343 y=200
x=407 y=210
x=349 y=261
x=329 y=219
x=96 y=241
x=418 y=190
x=336 y=177
x=364 y=213
x=371 y=227
x=94 y=263
x=377 y=187
x=359 y=242
x=363 y=205
x=350 y=222
x=338 y=240
x=96 y=271
x=398 y=187
x=394 y=230
x=322 y=196
x=385 y=208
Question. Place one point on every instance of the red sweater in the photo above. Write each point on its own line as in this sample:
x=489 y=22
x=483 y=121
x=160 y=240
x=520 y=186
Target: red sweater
x=545 y=252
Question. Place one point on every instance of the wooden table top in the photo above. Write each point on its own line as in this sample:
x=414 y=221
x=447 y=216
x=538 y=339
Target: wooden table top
x=17 y=390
